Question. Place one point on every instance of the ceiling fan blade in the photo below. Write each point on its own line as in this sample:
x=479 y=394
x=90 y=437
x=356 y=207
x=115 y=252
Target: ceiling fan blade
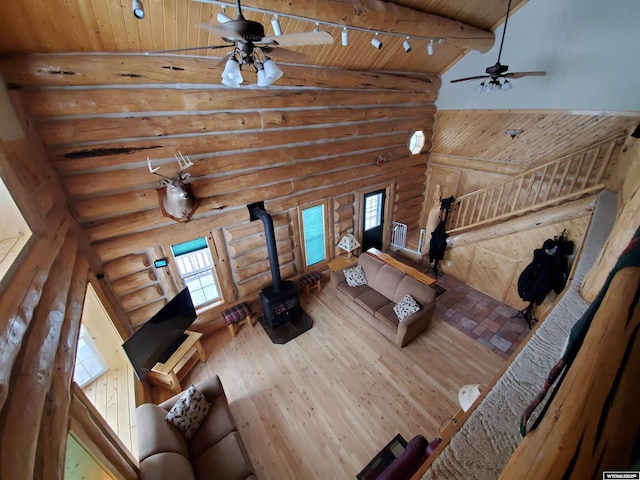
x=208 y=47
x=478 y=77
x=524 y=74
x=284 y=54
x=223 y=32
x=298 y=39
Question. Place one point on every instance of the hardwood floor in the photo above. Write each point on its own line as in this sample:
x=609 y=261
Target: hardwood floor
x=322 y=405
x=113 y=396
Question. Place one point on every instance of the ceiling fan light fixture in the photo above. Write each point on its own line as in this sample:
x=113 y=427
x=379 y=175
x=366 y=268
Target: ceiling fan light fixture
x=138 y=9
x=489 y=87
x=480 y=88
x=406 y=45
x=271 y=71
x=375 y=41
x=231 y=76
x=506 y=85
x=262 y=78
x=275 y=24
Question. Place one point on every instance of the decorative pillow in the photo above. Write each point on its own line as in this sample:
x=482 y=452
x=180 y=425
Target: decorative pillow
x=189 y=412
x=406 y=307
x=355 y=276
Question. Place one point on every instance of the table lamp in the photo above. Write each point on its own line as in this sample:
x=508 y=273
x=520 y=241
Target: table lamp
x=349 y=244
x=468 y=394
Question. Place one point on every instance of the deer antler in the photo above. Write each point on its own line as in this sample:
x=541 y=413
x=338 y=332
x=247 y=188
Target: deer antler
x=183 y=162
x=154 y=170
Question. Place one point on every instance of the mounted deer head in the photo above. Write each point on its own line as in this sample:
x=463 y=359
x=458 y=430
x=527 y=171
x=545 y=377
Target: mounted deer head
x=177 y=202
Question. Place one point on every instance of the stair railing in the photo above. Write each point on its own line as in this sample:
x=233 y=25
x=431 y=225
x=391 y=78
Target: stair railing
x=567 y=178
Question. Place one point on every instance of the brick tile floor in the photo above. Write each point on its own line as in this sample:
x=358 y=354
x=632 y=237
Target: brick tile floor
x=481 y=317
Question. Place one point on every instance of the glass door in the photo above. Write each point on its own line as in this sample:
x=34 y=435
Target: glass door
x=373 y=220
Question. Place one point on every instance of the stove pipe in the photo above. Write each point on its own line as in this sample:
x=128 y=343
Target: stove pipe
x=257 y=211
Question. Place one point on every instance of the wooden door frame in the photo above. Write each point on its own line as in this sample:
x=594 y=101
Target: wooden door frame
x=389 y=190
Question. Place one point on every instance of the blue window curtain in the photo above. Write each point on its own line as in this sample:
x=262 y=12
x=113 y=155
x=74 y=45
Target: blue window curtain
x=190 y=246
x=314 y=234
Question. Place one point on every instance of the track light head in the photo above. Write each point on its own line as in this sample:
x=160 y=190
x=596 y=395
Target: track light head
x=138 y=9
x=376 y=42
x=406 y=45
x=345 y=37
x=430 y=47
x=275 y=23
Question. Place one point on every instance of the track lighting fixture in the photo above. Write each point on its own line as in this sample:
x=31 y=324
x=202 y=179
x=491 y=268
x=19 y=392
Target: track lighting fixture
x=222 y=16
x=345 y=37
x=138 y=9
x=275 y=23
x=317 y=27
x=376 y=42
x=406 y=45
x=430 y=47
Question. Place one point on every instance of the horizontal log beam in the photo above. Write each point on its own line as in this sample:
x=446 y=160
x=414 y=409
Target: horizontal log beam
x=98 y=129
x=506 y=169
x=114 y=100
x=140 y=69
x=127 y=265
x=385 y=17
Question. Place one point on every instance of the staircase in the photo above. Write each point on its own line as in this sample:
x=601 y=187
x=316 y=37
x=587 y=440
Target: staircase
x=562 y=180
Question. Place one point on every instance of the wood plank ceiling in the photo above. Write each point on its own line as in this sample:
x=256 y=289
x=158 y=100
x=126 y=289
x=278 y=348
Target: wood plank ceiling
x=35 y=26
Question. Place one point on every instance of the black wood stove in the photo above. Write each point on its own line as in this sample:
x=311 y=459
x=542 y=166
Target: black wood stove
x=281 y=300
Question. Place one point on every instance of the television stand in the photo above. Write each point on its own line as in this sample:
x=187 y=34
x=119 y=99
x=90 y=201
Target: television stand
x=175 y=368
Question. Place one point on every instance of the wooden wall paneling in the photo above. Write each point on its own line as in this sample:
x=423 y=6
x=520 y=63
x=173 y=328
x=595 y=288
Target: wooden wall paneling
x=491 y=272
x=142 y=314
x=258 y=283
x=104 y=128
x=51 y=449
x=86 y=69
x=31 y=374
x=141 y=297
x=126 y=265
x=223 y=266
x=296 y=238
x=257 y=240
x=89 y=426
x=22 y=295
x=163 y=274
x=174 y=233
x=546 y=135
x=113 y=99
x=134 y=281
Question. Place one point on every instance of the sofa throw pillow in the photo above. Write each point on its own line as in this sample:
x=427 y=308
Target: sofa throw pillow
x=406 y=307
x=355 y=276
x=189 y=412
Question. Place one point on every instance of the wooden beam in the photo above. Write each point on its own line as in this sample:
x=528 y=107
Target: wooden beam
x=97 y=129
x=139 y=69
x=385 y=16
x=122 y=100
x=532 y=221
x=593 y=420
x=22 y=296
x=50 y=455
x=31 y=376
x=507 y=169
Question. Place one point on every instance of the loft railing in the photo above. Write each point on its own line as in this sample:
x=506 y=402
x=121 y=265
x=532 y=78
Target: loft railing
x=566 y=178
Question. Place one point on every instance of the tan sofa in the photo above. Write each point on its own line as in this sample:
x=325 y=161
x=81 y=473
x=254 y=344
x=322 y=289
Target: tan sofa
x=214 y=452
x=385 y=287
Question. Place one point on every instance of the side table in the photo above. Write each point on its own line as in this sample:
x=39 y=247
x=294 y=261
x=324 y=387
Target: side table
x=179 y=364
x=340 y=263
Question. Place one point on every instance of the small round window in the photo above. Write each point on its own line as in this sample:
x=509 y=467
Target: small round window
x=417 y=142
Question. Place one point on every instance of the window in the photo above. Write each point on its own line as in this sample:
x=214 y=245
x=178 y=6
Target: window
x=417 y=142
x=14 y=231
x=314 y=234
x=373 y=211
x=196 y=269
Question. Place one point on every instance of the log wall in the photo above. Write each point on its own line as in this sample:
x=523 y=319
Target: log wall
x=41 y=308
x=289 y=146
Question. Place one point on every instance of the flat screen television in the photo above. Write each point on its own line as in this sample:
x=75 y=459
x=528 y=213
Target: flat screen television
x=157 y=339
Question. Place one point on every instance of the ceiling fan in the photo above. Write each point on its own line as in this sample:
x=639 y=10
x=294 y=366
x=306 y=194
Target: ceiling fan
x=251 y=46
x=497 y=75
